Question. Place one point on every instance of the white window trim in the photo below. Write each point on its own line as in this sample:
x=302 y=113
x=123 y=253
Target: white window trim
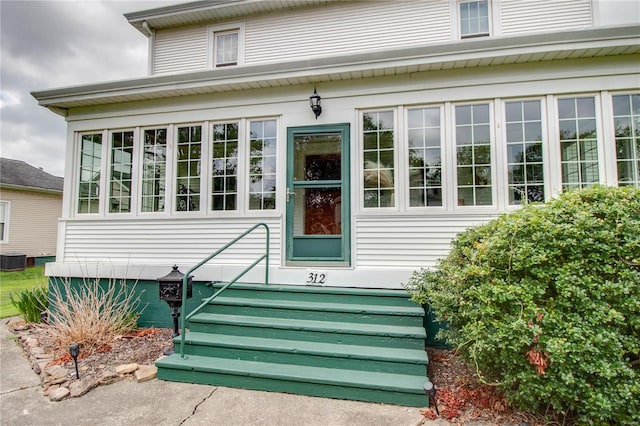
x=4 y=239
x=135 y=162
x=495 y=19
x=243 y=179
x=404 y=164
x=399 y=173
x=241 y=169
x=212 y=30
x=204 y=173
x=497 y=201
x=168 y=202
x=103 y=182
x=503 y=178
x=603 y=173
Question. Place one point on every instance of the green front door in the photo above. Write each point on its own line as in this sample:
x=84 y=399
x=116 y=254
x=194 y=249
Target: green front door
x=318 y=194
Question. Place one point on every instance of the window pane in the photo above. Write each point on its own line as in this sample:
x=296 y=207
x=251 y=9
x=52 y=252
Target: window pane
x=524 y=152
x=223 y=170
x=626 y=110
x=425 y=183
x=226 y=48
x=188 y=169
x=578 y=142
x=154 y=170
x=89 y=183
x=378 y=136
x=262 y=165
x=473 y=155
x=474 y=18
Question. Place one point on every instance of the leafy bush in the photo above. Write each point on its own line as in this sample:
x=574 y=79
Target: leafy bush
x=90 y=314
x=545 y=302
x=30 y=303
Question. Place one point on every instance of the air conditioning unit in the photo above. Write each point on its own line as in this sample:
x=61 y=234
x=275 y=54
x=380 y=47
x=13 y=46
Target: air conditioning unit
x=13 y=262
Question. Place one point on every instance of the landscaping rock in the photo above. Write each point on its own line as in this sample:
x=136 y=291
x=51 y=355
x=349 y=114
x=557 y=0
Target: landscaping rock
x=146 y=372
x=59 y=394
x=56 y=371
x=126 y=368
x=81 y=387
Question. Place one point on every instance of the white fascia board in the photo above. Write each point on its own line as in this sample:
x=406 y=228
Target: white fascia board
x=277 y=74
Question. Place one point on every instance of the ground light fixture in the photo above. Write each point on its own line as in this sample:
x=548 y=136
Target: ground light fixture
x=314 y=101
x=74 y=351
x=430 y=391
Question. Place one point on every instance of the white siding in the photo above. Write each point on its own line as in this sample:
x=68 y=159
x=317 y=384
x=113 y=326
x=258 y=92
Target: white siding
x=544 y=15
x=346 y=28
x=150 y=241
x=180 y=49
x=33 y=222
x=409 y=241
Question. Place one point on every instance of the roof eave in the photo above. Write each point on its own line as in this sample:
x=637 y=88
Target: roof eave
x=526 y=48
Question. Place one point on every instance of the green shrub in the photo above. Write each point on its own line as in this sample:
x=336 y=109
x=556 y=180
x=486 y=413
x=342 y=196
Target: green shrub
x=30 y=303
x=545 y=302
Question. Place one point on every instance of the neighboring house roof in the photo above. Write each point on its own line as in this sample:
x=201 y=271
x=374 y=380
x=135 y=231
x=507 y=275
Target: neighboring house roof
x=20 y=175
x=457 y=54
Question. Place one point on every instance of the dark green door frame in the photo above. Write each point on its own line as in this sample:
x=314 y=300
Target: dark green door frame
x=303 y=246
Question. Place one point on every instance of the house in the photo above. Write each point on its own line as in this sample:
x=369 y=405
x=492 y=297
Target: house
x=30 y=206
x=364 y=134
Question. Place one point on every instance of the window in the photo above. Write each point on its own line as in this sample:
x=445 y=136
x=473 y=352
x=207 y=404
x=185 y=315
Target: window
x=524 y=151
x=578 y=142
x=473 y=155
x=90 y=169
x=378 y=137
x=154 y=170
x=121 y=168
x=4 y=221
x=226 y=50
x=626 y=117
x=224 y=169
x=188 y=162
x=474 y=18
x=425 y=157
x=262 y=165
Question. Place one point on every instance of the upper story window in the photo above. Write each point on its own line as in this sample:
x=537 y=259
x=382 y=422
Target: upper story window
x=4 y=222
x=226 y=45
x=473 y=18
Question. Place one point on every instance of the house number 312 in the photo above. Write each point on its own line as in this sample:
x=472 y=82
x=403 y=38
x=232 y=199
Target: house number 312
x=317 y=278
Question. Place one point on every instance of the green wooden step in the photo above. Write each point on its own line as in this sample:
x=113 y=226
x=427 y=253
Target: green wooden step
x=308 y=310
x=305 y=380
x=310 y=330
x=331 y=355
x=318 y=294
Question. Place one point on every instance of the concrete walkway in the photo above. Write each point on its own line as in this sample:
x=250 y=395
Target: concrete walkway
x=172 y=404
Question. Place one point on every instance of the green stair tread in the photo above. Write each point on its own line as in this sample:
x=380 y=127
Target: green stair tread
x=356 y=291
x=413 y=356
x=311 y=325
x=415 y=311
x=297 y=373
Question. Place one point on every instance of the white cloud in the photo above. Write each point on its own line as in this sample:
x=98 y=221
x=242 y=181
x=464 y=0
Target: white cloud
x=52 y=44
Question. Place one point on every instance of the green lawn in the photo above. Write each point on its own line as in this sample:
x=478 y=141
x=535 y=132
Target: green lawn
x=14 y=282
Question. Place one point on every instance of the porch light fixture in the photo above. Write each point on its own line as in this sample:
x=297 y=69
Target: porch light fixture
x=430 y=391
x=74 y=351
x=314 y=100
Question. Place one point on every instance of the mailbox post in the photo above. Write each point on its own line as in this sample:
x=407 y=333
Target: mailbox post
x=170 y=288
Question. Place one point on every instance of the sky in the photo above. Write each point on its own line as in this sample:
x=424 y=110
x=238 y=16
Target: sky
x=60 y=43
x=51 y=44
